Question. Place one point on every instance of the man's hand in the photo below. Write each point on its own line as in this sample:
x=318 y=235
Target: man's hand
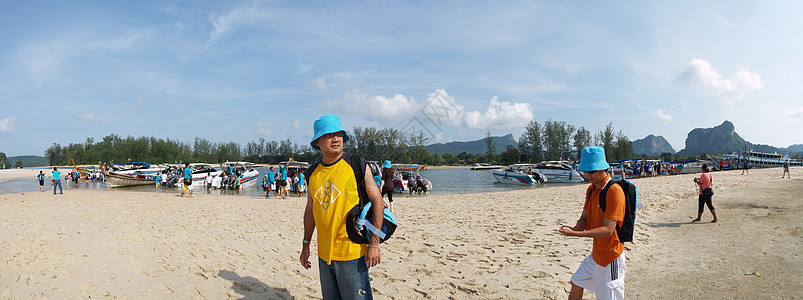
x=567 y=231
x=373 y=256
x=304 y=258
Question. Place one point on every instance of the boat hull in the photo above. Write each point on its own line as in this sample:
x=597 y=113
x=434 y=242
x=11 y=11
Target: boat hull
x=119 y=180
x=516 y=178
x=561 y=176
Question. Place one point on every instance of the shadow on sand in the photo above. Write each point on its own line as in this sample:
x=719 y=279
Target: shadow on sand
x=252 y=288
x=673 y=224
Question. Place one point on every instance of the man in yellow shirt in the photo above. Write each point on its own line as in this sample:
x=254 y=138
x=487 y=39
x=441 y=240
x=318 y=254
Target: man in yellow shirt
x=343 y=265
x=603 y=271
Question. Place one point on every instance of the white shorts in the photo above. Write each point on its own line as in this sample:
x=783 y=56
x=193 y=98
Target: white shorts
x=606 y=282
x=189 y=187
x=302 y=188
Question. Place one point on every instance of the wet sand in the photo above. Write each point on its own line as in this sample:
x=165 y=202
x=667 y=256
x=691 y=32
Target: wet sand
x=119 y=244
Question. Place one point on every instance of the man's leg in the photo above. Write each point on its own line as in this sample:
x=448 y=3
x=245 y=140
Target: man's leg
x=352 y=279
x=329 y=288
x=576 y=293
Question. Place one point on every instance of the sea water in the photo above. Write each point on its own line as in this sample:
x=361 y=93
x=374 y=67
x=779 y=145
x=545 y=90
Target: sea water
x=444 y=181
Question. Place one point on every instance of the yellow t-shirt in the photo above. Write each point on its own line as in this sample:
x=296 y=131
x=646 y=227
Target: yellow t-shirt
x=334 y=192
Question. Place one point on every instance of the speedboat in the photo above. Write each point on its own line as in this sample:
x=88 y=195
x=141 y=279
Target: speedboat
x=485 y=166
x=294 y=167
x=407 y=178
x=135 y=173
x=201 y=172
x=521 y=174
x=559 y=172
x=227 y=178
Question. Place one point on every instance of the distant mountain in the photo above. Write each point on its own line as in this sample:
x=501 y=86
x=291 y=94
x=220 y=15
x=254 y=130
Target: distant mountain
x=796 y=148
x=652 y=146
x=722 y=139
x=29 y=160
x=473 y=147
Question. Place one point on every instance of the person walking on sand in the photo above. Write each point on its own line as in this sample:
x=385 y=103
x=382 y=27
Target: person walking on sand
x=602 y=271
x=786 y=169
x=387 y=178
x=187 y=180
x=704 y=194
x=283 y=179
x=342 y=264
x=55 y=179
x=301 y=184
x=746 y=165
x=41 y=178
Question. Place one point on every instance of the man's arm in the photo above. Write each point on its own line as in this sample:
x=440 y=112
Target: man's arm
x=309 y=228
x=606 y=231
x=373 y=256
x=579 y=226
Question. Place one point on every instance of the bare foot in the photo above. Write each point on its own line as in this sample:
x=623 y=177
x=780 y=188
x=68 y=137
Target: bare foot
x=713 y=221
x=696 y=220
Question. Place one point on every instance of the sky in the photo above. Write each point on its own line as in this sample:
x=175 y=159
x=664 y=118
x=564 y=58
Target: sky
x=243 y=70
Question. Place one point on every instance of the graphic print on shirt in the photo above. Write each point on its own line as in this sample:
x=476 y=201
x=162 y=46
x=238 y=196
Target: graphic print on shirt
x=327 y=194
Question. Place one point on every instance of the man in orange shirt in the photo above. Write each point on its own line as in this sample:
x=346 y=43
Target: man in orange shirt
x=603 y=271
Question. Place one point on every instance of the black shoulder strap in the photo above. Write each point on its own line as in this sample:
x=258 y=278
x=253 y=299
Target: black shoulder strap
x=359 y=174
x=603 y=194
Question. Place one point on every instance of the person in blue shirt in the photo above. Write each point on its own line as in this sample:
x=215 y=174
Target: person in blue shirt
x=283 y=182
x=55 y=178
x=271 y=180
x=187 y=180
x=301 y=183
x=41 y=178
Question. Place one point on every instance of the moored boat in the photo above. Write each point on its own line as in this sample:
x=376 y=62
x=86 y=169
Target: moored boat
x=231 y=171
x=520 y=174
x=559 y=172
x=407 y=178
x=485 y=166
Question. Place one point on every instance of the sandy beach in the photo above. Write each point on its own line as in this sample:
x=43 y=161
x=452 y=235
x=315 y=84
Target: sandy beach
x=504 y=245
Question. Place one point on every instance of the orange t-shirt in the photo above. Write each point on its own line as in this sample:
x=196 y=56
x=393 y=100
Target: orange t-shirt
x=605 y=250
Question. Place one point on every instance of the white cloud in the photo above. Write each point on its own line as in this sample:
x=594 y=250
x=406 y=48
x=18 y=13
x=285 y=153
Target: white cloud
x=318 y=84
x=795 y=113
x=442 y=108
x=89 y=117
x=385 y=110
x=240 y=16
x=263 y=129
x=727 y=91
x=661 y=115
x=304 y=68
x=8 y=124
x=500 y=115
x=296 y=124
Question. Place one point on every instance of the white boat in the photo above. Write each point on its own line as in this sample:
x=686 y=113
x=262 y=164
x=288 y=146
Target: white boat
x=243 y=170
x=136 y=173
x=484 y=166
x=559 y=172
x=406 y=175
x=200 y=173
x=520 y=174
x=761 y=159
x=294 y=167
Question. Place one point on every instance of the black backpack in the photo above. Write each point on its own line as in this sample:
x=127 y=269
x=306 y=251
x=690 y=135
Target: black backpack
x=362 y=235
x=625 y=232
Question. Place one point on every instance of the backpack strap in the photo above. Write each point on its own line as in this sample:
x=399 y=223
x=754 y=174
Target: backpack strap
x=603 y=194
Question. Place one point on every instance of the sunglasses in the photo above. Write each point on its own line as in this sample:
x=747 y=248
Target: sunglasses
x=591 y=172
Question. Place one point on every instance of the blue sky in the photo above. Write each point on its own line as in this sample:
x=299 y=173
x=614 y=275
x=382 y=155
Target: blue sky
x=238 y=71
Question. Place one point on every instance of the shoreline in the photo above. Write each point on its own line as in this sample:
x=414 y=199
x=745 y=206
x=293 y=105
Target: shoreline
x=125 y=244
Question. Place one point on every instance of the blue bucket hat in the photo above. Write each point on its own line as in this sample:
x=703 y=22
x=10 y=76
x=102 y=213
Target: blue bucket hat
x=386 y=164
x=592 y=159
x=327 y=124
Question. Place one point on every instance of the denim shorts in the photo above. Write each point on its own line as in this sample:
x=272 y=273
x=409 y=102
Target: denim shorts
x=345 y=279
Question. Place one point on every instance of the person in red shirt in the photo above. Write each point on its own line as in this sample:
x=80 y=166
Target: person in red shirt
x=704 y=181
x=603 y=271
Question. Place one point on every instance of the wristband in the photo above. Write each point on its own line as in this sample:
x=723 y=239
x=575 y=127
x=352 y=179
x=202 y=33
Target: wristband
x=305 y=241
